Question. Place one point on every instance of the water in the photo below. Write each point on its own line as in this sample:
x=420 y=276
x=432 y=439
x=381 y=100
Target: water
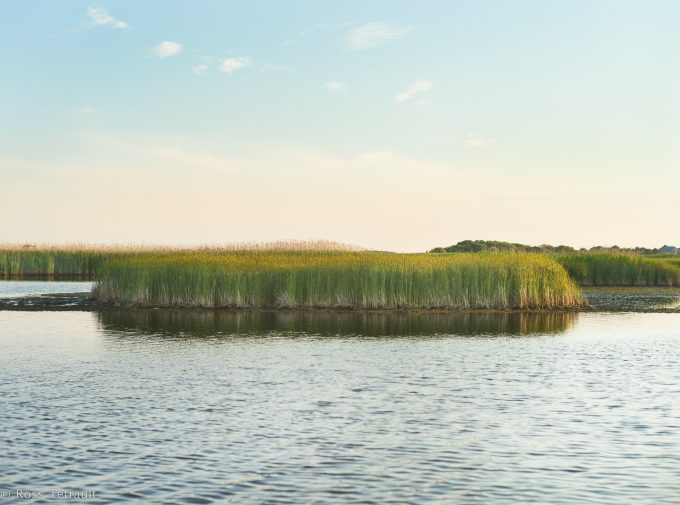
x=328 y=407
x=633 y=299
x=15 y=289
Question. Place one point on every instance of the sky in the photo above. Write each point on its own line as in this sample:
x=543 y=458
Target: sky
x=386 y=124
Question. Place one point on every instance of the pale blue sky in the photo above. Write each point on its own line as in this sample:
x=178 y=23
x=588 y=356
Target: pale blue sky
x=395 y=125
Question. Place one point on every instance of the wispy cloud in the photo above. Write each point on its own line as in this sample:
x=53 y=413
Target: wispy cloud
x=203 y=67
x=321 y=27
x=229 y=65
x=374 y=34
x=166 y=49
x=476 y=141
x=87 y=110
x=417 y=87
x=335 y=86
x=316 y=28
x=99 y=16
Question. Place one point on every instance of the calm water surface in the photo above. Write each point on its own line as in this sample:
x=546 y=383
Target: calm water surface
x=14 y=289
x=202 y=407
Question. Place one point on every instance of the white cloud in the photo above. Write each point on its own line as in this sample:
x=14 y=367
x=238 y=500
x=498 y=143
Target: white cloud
x=87 y=110
x=335 y=86
x=419 y=86
x=200 y=69
x=166 y=49
x=374 y=34
x=99 y=16
x=475 y=141
x=230 y=65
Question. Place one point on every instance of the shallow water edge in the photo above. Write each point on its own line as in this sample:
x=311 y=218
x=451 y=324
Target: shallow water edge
x=609 y=299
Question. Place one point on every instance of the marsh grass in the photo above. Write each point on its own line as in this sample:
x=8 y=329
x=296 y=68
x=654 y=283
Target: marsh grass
x=17 y=263
x=84 y=261
x=346 y=265
x=606 y=269
x=335 y=279
x=673 y=260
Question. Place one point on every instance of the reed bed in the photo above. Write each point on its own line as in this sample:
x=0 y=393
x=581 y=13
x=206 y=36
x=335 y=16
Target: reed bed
x=674 y=261
x=84 y=264
x=606 y=269
x=337 y=279
x=84 y=261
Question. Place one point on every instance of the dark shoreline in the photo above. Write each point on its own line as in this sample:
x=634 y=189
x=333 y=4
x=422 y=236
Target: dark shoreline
x=667 y=300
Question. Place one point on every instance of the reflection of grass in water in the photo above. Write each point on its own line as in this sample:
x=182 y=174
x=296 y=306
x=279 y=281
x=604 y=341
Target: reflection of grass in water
x=332 y=323
x=338 y=279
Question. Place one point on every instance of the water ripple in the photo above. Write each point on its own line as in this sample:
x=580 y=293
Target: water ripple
x=212 y=409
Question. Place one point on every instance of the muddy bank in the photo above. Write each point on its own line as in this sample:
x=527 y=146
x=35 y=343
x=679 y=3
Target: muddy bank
x=633 y=299
x=52 y=301
x=618 y=299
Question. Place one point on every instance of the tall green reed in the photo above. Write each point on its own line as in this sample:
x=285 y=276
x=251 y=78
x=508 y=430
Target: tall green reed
x=369 y=280
x=606 y=269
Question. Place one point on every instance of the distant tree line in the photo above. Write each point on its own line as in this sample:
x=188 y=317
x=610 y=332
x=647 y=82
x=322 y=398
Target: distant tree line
x=497 y=246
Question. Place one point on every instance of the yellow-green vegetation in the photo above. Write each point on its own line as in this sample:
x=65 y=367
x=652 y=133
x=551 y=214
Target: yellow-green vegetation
x=606 y=269
x=84 y=261
x=675 y=261
x=87 y=262
x=16 y=262
x=371 y=280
